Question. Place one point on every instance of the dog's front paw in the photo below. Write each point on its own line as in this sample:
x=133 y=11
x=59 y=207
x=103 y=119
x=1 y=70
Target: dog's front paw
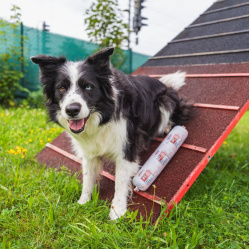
x=84 y=199
x=168 y=129
x=116 y=212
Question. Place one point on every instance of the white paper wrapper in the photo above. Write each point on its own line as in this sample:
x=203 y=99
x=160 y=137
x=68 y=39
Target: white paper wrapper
x=160 y=158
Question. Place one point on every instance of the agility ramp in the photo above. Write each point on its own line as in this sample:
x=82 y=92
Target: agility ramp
x=214 y=52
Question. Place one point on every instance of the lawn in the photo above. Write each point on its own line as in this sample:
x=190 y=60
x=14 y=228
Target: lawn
x=39 y=206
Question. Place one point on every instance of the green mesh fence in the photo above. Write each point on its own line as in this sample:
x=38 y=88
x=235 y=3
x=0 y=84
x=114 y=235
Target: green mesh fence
x=40 y=42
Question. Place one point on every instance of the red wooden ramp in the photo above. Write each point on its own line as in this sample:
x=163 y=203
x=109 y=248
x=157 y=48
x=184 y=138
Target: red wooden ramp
x=222 y=97
x=214 y=53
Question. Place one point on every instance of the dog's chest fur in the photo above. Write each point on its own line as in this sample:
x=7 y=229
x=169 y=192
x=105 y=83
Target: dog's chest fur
x=101 y=141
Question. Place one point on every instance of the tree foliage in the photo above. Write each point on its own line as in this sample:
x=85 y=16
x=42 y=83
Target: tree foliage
x=10 y=57
x=105 y=26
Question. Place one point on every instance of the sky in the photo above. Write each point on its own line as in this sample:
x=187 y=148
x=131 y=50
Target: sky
x=166 y=18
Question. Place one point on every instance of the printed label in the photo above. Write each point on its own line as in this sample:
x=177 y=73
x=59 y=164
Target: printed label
x=176 y=140
x=163 y=157
x=147 y=176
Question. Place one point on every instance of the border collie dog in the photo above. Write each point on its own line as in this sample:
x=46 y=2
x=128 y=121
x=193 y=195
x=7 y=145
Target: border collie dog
x=110 y=115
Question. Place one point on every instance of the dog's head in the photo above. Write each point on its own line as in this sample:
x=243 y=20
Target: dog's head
x=78 y=91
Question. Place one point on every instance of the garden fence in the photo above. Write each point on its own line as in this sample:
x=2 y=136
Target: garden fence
x=34 y=41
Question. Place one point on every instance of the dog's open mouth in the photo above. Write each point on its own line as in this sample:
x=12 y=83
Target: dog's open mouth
x=77 y=126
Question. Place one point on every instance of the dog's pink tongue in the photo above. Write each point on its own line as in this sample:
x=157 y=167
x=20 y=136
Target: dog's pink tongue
x=76 y=124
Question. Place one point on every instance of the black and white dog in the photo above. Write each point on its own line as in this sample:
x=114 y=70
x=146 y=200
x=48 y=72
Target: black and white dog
x=110 y=115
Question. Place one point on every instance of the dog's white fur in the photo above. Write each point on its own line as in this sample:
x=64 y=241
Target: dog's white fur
x=107 y=141
x=103 y=141
x=73 y=96
x=175 y=80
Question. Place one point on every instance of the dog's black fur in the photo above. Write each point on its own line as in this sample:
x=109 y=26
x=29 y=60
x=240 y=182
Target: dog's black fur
x=138 y=100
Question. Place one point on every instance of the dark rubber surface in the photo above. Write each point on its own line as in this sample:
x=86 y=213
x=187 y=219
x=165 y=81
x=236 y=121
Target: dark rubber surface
x=205 y=59
x=226 y=3
x=240 y=11
x=224 y=43
x=232 y=42
x=214 y=29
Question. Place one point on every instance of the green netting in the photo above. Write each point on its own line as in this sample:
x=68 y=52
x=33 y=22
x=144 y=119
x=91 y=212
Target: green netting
x=10 y=45
x=40 y=42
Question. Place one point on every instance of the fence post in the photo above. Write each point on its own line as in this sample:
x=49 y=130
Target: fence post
x=130 y=58
x=22 y=53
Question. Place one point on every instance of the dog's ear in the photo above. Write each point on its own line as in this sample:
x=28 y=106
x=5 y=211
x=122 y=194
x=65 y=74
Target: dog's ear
x=45 y=60
x=48 y=72
x=102 y=58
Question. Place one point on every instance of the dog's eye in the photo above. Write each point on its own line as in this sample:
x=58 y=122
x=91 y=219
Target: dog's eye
x=62 y=89
x=89 y=87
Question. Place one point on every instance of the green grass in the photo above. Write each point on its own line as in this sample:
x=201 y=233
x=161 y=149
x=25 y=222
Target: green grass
x=39 y=206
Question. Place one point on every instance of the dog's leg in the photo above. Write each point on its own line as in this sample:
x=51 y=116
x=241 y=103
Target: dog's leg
x=124 y=171
x=91 y=170
x=166 y=124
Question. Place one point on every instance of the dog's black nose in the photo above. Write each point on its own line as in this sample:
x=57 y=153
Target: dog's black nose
x=73 y=110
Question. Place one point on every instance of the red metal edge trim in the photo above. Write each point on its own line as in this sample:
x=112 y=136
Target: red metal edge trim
x=202 y=164
x=215 y=75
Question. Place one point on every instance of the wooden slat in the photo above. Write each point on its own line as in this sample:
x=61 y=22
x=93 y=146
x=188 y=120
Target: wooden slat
x=209 y=36
x=193 y=147
x=199 y=54
x=218 y=21
x=64 y=153
x=222 y=107
x=215 y=75
x=187 y=146
x=225 y=8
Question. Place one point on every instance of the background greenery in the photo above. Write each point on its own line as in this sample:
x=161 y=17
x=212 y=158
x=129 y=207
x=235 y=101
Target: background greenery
x=105 y=26
x=11 y=59
x=19 y=77
x=38 y=206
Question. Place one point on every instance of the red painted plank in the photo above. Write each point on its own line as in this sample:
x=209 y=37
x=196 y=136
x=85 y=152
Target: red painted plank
x=215 y=75
x=224 y=107
x=188 y=146
x=64 y=153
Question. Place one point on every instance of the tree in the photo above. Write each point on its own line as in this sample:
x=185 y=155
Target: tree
x=106 y=27
x=11 y=57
